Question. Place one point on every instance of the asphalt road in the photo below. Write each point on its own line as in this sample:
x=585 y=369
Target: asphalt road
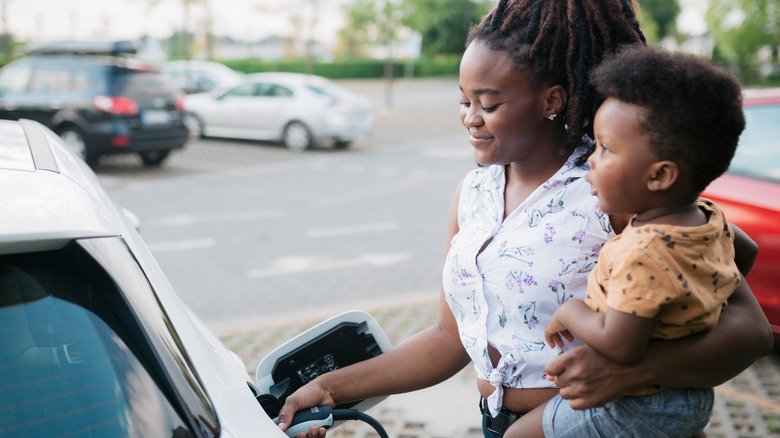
x=246 y=230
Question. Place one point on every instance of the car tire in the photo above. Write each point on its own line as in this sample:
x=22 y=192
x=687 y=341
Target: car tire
x=194 y=125
x=340 y=144
x=297 y=137
x=154 y=158
x=74 y=138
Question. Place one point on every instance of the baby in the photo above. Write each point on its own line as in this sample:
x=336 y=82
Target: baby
x=668 y=126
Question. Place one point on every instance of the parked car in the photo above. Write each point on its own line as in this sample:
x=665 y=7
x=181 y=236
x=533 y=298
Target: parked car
x=749 y=194
x=97 y=98
x=297 y=109
x=95 y=343
x=196 y=76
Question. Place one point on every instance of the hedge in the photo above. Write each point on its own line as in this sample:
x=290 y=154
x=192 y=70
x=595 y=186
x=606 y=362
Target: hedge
x=351 y=69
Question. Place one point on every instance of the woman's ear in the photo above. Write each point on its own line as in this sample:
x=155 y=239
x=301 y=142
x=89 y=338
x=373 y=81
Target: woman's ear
x=663 y=175
x=556 y=101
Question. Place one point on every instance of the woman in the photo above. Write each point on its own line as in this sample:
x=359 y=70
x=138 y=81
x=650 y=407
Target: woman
x=523 y=232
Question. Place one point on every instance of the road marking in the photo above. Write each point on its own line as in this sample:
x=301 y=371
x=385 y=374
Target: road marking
x=182 y=245
x=186 y=219
x=295 y=265
x=352 y=229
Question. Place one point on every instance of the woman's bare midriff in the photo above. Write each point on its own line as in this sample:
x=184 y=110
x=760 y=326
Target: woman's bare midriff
x=517 y=399
x=520 y=400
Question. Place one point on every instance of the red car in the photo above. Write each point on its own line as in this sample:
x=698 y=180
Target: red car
x=749 y=194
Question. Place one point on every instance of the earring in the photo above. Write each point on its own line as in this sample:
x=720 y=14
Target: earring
x=552 y=116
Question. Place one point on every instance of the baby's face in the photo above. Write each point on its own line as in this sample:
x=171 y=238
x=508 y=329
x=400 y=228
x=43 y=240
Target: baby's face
x=622 y=162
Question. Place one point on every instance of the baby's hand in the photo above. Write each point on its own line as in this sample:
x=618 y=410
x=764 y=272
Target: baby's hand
x=554 y=331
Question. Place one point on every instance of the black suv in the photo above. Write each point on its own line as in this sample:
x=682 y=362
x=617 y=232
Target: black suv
x=97 y=98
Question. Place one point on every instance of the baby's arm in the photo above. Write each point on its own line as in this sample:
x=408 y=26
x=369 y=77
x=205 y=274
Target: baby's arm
x=618 y=336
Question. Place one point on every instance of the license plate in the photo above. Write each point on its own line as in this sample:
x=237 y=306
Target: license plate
x=155 y=117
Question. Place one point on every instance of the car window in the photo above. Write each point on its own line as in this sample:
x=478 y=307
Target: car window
x=323 y=86
x=242 y=90
x=15 y=77
x=278 y=91
x=758 y=154
x=55 y=80
x=136 y=83
x=70 y=362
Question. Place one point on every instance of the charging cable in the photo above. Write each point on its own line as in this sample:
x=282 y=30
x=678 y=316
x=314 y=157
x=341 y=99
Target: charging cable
x=318 y=416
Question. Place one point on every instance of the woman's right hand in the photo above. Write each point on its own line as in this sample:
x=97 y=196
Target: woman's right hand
x=307 y=396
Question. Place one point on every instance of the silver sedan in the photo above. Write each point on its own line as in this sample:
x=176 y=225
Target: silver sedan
x=296 y=109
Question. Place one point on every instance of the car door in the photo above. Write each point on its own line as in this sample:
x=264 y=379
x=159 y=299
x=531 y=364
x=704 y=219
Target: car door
x=270 y=109
x=228 y=112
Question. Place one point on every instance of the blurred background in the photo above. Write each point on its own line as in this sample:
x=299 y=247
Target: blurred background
x=364 y=38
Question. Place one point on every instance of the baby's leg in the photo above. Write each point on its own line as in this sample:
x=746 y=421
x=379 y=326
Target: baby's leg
x=528 y=426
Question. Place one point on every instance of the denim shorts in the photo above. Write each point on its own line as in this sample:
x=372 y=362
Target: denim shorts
x=671 y=412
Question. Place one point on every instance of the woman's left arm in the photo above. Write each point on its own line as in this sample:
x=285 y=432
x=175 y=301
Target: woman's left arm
x=741 y=336
x=745 y=250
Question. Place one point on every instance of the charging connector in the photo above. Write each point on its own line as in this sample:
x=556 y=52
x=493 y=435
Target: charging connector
x=324 y=416
x=302 y=421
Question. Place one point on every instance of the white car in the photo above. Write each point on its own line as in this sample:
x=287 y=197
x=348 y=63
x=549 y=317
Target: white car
x=296 y=109
x=94 y=342
x=195 y=76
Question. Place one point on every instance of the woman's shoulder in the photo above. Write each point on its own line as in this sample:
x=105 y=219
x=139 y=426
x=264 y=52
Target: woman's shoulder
x=481 y=176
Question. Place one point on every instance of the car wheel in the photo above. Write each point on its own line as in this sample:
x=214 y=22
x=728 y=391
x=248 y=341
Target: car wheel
x=194 y=125
x=339 y=144
x=154 y=158
x=74 y=139
x=297 y=137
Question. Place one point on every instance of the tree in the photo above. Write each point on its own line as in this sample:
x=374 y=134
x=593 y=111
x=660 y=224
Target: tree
x=353 y=37
x=368 y=22
x=743 y=30
x=179 y=44
x=443 y=24
x=663 y=13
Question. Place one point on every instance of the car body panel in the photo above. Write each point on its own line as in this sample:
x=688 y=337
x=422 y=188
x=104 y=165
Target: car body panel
x=749 y=194
x=48 y=209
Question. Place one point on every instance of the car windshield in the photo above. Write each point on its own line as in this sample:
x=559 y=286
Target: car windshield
x=758 y=154
x=70 y=361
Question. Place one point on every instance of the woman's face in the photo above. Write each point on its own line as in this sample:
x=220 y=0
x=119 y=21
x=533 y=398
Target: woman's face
x=498 y=105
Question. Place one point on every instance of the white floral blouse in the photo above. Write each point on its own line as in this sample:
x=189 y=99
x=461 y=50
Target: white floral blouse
x=535 y=260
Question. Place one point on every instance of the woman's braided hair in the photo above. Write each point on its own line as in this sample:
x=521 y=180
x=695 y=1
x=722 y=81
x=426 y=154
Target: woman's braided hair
x=559 y=42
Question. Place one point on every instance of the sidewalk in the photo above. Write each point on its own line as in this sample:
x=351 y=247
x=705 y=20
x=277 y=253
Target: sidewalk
x=746 y=407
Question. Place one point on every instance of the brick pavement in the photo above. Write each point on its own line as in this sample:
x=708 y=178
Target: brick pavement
x=748 y=406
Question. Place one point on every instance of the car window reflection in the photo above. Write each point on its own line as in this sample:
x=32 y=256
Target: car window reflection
x=757 y=156
x=65 y=371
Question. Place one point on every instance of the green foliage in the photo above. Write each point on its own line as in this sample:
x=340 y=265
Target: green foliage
x=443 y=24
x=649 y=27
x=360 y=29
x=663 y=13
x=9 y=48
x=178 y=44
x=368 y=22
x=353 y=68
x=742 y=28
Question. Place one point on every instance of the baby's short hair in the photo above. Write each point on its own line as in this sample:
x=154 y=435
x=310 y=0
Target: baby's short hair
x=693 y=110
